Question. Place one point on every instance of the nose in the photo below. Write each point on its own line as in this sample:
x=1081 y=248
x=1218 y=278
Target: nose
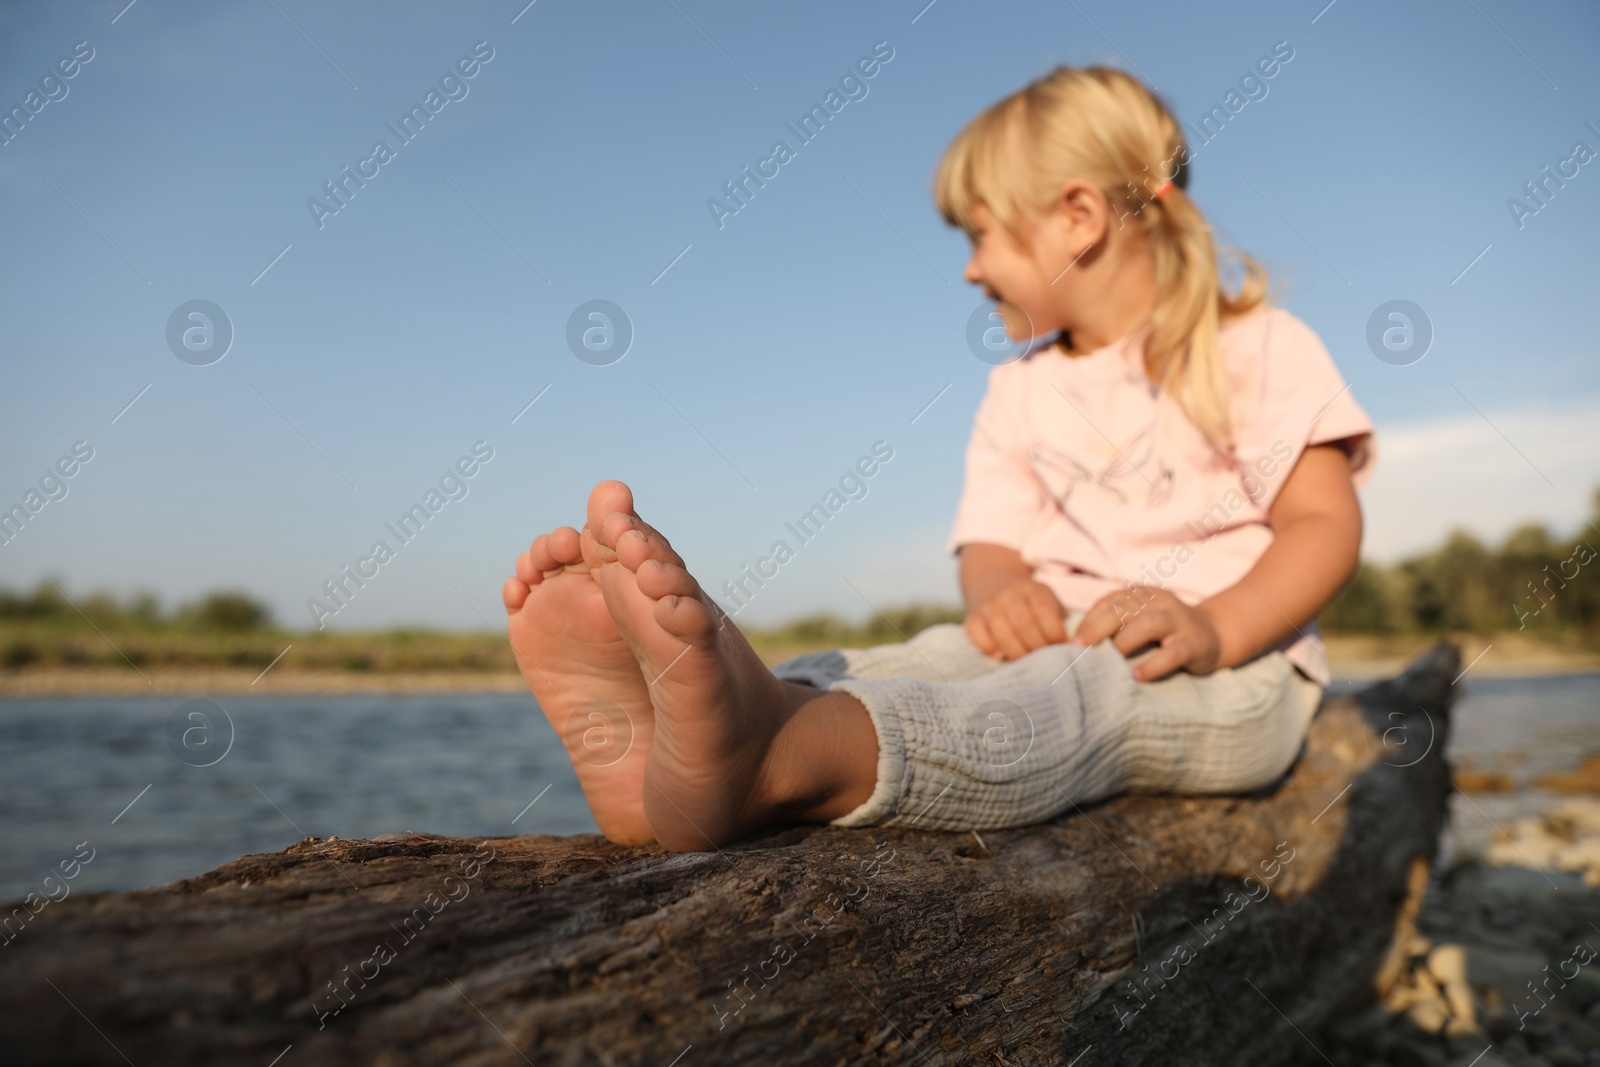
x=973 y=274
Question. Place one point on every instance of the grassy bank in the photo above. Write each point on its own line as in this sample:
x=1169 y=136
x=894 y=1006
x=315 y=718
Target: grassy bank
x=227 y=641
x=55 y=660
x=64 y=644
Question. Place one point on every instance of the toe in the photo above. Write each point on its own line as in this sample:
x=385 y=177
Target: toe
x=594 y=553
x=527 y=570
x=610 y=532
x=607 y=499
x=540 y=556
x=643 y=542
x=658 y=578
x=564 y=546
x=514 y=593
x=687 y=618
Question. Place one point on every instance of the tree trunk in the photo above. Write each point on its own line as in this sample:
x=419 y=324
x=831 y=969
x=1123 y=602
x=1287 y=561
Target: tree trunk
x=1141 y=930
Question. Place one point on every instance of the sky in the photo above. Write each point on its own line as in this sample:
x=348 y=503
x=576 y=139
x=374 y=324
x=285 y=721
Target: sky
x=758 y=354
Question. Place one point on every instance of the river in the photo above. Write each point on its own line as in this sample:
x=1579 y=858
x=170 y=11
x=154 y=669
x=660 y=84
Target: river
x=107 y=771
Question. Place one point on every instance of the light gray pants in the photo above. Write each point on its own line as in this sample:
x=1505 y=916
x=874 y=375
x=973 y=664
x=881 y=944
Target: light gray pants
x=968 y=743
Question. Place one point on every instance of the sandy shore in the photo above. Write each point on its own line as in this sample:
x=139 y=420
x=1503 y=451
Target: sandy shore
x=1353 y=658
x=1499 y=655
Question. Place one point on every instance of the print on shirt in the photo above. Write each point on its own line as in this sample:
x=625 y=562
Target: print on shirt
x=1136 y=472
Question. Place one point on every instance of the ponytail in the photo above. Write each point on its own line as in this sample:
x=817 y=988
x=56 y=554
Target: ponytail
x=1181 y=347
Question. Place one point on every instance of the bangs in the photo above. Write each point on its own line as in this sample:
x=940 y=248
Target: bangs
x=985 y=164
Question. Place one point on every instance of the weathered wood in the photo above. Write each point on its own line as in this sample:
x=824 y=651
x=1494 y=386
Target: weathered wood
x=854 y=946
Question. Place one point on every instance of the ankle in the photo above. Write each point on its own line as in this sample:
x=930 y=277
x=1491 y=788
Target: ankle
x=823 y=759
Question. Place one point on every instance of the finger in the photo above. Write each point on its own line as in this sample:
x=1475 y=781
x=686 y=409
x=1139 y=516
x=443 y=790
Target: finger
x=1024 y=623
x=1047 y=609
x=978 y=630
x=1172 y=654
x=1146 y=628
x=1099 y=622
x=1011 y=646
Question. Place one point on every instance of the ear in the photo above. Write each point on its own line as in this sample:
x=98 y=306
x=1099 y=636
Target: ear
x=1082 y=213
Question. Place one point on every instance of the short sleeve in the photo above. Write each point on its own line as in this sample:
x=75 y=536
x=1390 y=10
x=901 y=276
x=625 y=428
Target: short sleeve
x=1286 y=394
x=1002 y=498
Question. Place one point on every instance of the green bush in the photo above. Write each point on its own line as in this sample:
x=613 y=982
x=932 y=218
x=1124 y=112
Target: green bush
x=228 y=610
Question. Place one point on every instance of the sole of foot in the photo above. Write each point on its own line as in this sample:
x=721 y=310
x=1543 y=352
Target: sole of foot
x=735 y=747
x=585 y=678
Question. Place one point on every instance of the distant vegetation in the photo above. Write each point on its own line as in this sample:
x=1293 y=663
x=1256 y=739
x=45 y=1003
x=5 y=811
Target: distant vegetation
x=227 y=610
x=227 y=628
x=830 y=631
x=1545 y=585
x=1534 y=581
x=232 y=629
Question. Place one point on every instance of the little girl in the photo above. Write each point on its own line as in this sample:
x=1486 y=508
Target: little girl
x=1160 y=498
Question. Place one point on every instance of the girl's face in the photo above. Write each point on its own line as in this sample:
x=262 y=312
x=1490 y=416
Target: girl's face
x=1078 y=270
x=1013 y=275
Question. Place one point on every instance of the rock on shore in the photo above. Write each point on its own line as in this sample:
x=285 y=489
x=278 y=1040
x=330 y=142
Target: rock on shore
x=1504 y=967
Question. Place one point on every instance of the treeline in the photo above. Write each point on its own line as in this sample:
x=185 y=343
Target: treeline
x=237 y=612
x=1535 y=582
x=880 y=628
x=226 y=610
x=221 y=629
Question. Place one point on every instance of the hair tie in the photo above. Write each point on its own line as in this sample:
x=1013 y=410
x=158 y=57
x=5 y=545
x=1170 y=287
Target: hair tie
x=1166 y=187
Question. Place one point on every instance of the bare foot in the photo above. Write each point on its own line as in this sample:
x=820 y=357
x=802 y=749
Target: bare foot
x=585 y=678
x=735 y=747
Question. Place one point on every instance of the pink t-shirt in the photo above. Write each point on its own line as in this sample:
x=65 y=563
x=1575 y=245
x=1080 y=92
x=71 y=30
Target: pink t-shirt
x=1098 y=478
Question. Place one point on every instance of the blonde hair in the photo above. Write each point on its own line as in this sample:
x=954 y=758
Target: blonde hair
x=1105 y=127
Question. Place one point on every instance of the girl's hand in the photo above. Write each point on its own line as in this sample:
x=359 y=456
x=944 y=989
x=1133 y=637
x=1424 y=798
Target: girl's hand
x=1141 y=616
x=1021 y=617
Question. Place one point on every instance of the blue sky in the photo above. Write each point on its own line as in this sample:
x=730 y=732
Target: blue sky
x=768 y=354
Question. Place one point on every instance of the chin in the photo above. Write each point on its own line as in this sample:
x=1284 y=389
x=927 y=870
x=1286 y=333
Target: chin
x=1020 y=326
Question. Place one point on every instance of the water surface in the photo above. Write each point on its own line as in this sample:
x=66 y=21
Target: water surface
x=468 y=765
x=350 y=766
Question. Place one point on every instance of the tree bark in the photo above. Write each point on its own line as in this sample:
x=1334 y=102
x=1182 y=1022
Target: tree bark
x=1145 y=929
